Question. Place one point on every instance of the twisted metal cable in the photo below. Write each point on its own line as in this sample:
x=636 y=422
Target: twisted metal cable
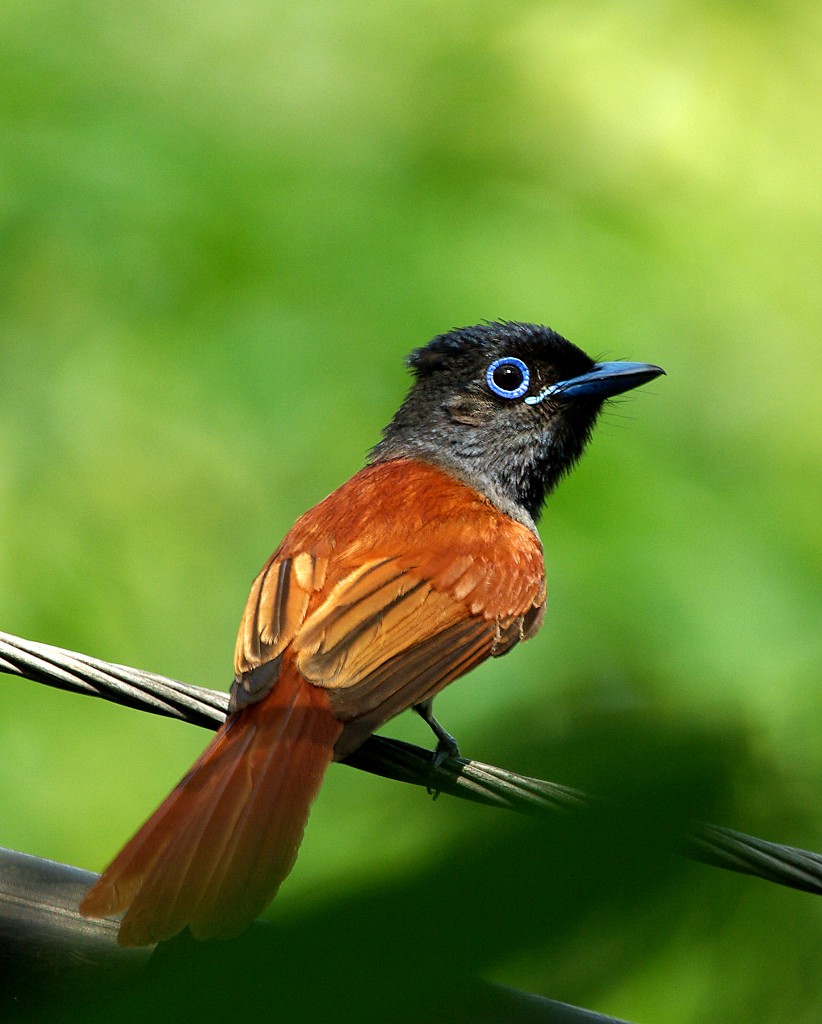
x=393 y=759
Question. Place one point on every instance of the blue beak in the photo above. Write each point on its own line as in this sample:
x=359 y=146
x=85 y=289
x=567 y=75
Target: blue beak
x=604 y=381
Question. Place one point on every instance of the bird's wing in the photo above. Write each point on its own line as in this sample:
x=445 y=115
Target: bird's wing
x=384 y=638
x=384 y=620
x=390 y=637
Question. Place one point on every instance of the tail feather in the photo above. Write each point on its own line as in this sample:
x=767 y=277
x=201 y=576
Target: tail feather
x=215 y=852
x=267 y=835
x=169 y=893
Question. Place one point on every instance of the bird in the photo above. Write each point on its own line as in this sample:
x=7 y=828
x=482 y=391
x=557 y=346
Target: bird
x=421 y=566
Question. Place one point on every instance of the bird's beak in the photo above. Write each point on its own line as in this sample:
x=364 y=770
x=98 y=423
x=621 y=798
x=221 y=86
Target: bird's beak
x=604 y=381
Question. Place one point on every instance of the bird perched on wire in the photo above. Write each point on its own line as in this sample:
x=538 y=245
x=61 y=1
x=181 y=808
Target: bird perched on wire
x=422 y=565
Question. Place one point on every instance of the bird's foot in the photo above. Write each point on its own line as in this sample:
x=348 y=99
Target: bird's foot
x=446 y=748
x=446 y=744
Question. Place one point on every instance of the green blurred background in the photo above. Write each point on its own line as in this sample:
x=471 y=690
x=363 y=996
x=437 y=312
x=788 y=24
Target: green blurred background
x=223 y=227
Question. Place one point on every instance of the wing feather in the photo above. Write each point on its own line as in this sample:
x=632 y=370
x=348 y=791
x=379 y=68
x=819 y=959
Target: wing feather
x=409 y=679
x=355 y=604
x=275 y=610
x=392 y=621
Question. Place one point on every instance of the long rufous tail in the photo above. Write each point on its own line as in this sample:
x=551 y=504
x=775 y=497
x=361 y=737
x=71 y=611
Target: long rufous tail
x=215 y=852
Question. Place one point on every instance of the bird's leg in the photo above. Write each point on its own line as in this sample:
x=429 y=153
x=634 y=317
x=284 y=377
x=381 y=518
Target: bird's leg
x=446 y=744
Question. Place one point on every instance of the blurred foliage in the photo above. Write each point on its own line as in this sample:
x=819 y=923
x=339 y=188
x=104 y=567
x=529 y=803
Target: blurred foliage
x=222 y=226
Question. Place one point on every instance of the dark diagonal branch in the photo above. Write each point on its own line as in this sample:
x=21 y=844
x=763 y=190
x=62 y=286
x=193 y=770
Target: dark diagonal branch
x=404 y=762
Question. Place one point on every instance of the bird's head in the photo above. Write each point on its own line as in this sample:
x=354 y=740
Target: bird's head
x=506 y=407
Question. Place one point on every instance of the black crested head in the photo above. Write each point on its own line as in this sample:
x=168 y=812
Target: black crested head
x=506 y=407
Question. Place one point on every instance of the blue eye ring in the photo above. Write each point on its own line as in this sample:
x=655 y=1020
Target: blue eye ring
x=503 y=392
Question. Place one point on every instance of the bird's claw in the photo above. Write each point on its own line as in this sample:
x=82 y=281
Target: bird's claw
x=446 y=749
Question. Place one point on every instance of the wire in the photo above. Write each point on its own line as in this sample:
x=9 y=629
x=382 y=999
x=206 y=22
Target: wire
x=393 y=759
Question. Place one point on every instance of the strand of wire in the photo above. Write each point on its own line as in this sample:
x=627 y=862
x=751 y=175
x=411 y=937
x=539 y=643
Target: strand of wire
x=393 y=759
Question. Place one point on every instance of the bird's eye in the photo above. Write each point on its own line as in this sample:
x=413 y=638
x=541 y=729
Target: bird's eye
x=508 y=377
